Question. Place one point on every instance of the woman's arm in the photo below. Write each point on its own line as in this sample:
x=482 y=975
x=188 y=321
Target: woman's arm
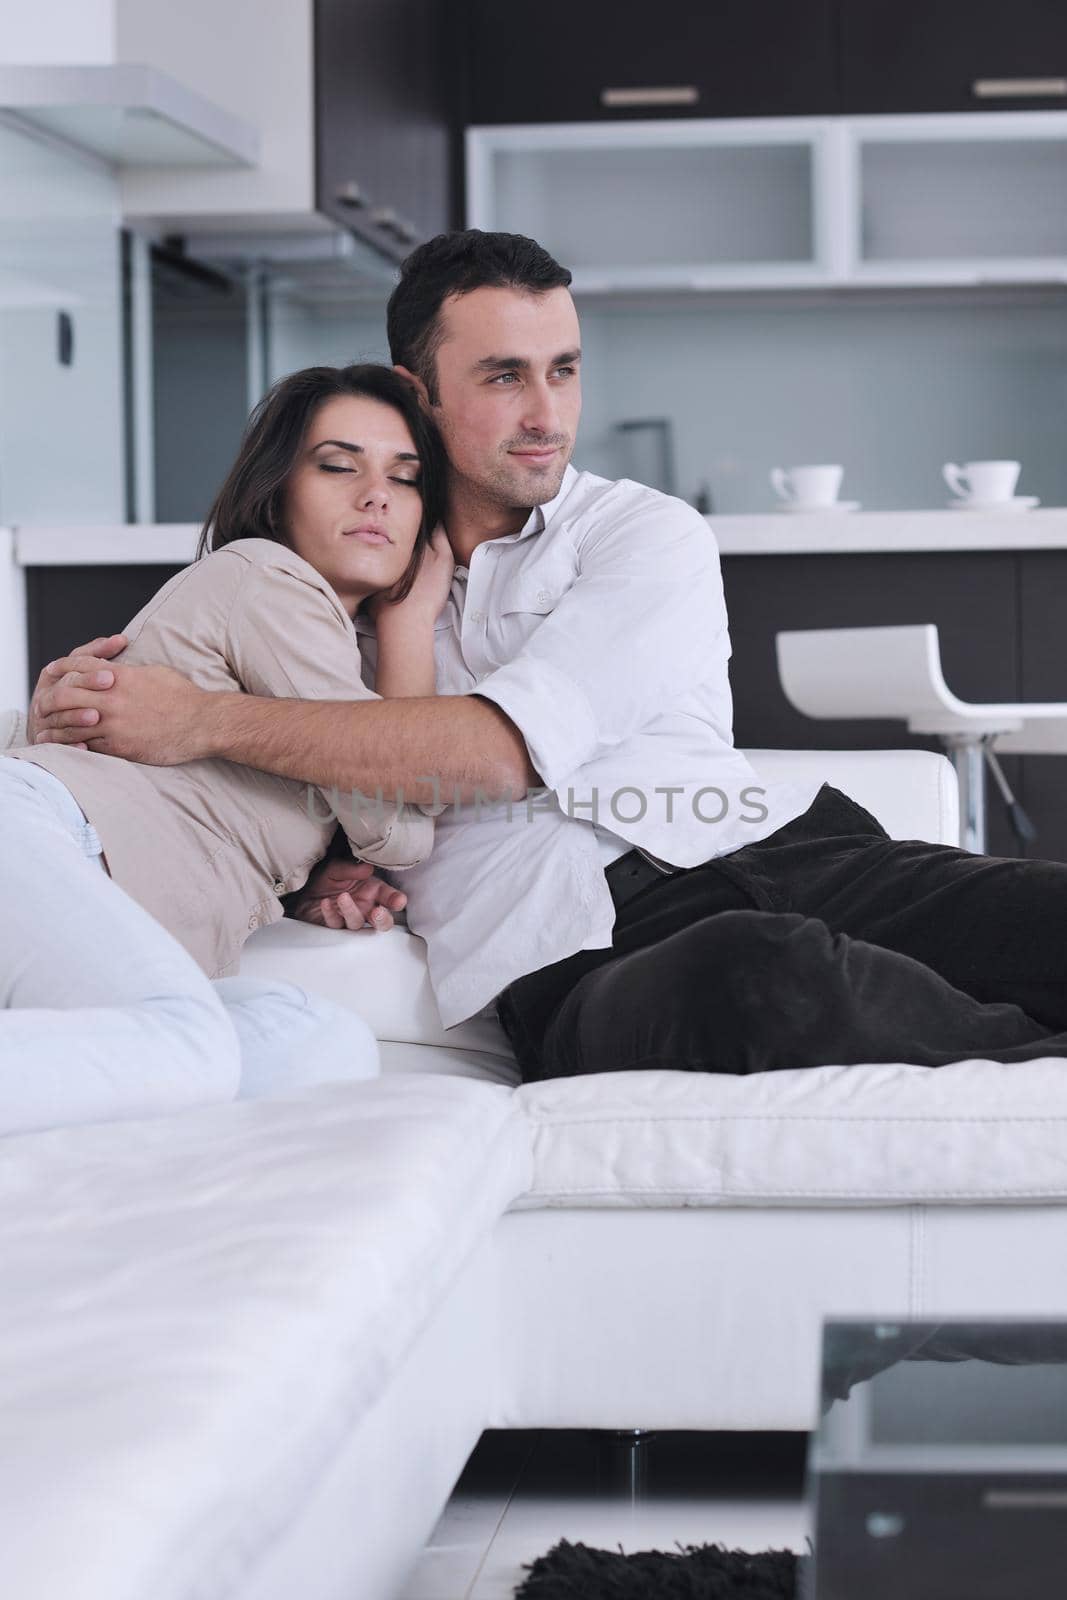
x=405 y=667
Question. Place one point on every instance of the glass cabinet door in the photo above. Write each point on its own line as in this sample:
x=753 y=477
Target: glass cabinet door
x=659 y=205
x=962 y=199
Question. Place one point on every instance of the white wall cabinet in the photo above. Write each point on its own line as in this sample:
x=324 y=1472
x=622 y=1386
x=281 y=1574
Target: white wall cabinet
x=788 y=203
x=664 y=205
x=957 y=199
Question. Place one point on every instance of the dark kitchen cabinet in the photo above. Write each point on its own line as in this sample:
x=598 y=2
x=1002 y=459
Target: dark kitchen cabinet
x=589 y=60
x=386 y=102
x=973 y=598
x=1000 y=622
x=67 y=606
x=577 y=60
x=952 y=55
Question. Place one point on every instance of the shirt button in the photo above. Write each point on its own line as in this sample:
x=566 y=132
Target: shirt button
x=253 y=923
x=278 y=886
x=543 y=596
x=477 y=616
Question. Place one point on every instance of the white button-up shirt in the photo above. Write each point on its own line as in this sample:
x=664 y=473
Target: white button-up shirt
x=600 y=629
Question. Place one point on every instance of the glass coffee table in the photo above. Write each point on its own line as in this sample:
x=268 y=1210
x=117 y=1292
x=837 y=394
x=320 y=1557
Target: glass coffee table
x=938 y=1470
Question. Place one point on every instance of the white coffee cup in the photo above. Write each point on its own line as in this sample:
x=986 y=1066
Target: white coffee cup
x=982 y=480
x=807 y=486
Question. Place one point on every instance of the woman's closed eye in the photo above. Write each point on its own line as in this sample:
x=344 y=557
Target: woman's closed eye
x=329 y=466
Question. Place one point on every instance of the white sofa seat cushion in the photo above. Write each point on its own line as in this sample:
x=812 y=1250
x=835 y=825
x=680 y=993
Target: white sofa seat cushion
x=198 y=1309
x=972 y=1132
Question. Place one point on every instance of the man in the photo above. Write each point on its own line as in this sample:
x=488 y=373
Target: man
x=609 y=871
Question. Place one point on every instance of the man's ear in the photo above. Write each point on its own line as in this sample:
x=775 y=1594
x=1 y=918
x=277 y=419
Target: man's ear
x=417 y=383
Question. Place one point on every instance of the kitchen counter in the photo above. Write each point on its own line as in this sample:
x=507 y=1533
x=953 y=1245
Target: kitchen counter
x=781 y=533
x=776 y=533
x=165 y=544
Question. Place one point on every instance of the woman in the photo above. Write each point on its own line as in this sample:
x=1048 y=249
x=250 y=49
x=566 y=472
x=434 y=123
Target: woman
x=104 y=974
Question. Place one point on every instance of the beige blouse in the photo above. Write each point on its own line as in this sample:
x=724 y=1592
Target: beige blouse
x=208 y=847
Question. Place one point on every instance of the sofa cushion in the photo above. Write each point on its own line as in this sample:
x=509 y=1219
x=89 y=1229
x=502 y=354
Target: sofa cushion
x=973 y=1132
x=198 y=1309
x=383 y=976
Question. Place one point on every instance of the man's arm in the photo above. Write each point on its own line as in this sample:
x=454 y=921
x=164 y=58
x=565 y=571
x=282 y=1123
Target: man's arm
x=642 y=626
x=153 y=714
x=440 y=749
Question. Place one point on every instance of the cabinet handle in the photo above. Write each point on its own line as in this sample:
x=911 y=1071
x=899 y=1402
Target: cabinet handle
x=683 y=95
x=1024 y=1499
x=350 y=194
x=1018 y=88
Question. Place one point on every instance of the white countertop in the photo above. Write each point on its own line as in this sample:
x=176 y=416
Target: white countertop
x=835 y=533
x=776 y=533
x=166 y=544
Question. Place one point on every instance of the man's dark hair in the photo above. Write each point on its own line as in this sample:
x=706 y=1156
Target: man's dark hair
x=251 y=503
x=456 y=263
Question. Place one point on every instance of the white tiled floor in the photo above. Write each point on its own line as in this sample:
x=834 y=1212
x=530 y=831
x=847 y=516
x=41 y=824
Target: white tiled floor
x=522 y=1492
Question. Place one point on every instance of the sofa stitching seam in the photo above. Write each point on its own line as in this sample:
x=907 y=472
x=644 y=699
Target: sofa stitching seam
x=907 y=1195
x=563 y=1121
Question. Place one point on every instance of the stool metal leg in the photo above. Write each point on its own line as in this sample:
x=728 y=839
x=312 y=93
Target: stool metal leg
x=623 y=1463
x=966 y=756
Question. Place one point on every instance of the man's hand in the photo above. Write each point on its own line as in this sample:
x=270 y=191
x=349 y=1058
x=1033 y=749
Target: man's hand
x=147 y=713
x=345 y=894
x=90 y=661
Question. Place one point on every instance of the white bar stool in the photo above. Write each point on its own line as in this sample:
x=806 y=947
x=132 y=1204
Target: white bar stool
x=896 y=672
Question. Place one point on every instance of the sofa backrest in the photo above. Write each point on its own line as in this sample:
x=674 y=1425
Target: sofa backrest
x=383 y=976
x=913 y=793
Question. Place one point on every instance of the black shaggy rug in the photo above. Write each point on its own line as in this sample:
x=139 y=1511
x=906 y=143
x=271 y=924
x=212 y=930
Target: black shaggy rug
x=697 y=1572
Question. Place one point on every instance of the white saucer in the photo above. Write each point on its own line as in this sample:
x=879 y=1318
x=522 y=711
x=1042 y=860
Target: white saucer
x=1019 y=502
x=817 y=511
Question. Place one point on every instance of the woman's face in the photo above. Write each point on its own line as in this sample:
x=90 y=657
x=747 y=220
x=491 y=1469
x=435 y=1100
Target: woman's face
x=353 y=506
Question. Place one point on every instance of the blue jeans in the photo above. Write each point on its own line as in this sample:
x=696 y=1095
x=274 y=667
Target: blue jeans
x=104 y=1015
x=826 y=943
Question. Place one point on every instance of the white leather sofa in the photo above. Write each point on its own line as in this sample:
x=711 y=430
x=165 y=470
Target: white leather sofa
x=246 y=1351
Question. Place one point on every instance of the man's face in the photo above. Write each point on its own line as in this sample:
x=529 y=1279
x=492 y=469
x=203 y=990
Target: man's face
x=508 y=393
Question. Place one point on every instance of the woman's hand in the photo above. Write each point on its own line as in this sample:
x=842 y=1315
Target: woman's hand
x=405 y=628
x=346 y=894
x=86 y=667
x=427 y=596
